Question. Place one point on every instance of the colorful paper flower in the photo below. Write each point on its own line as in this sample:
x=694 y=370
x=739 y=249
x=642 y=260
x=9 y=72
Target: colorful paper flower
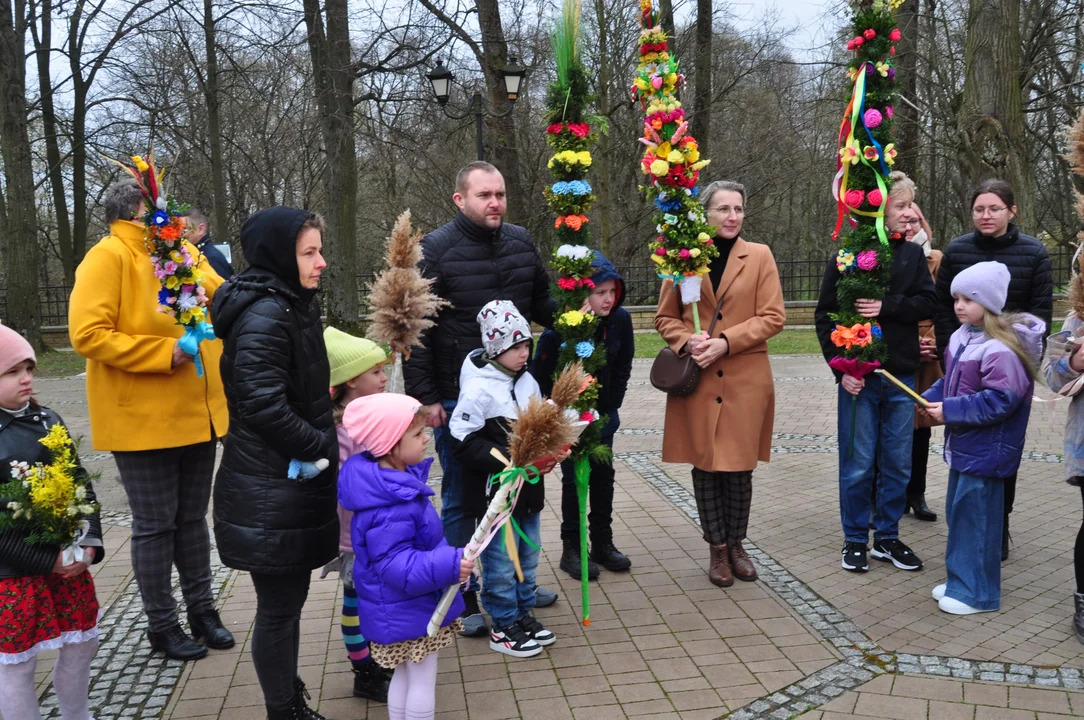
x=870 y=153
x=160 y=218
x=854 y=197
x=895 y=35
x=872 y=118
x=869 y=34
x=849 y=153
x=890 y=154
x=585 y=348
x=867 y=260
x=844 y=260
x=875 y=198
x=876 y=332
x=883 y=68
x=572 y=318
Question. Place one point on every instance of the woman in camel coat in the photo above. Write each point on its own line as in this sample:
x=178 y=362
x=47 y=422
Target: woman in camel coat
x=725 y=426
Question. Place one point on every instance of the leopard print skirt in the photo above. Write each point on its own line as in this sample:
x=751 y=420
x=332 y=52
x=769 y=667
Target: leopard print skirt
x=389 y=656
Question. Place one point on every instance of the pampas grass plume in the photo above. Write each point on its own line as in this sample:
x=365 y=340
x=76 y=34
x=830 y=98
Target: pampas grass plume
x=539 y=429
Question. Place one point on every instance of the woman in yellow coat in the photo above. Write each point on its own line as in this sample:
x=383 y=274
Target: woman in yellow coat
x=725 y=426
x=160 y=420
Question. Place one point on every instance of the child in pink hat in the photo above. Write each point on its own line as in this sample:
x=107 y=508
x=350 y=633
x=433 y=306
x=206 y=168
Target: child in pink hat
x=401 y=559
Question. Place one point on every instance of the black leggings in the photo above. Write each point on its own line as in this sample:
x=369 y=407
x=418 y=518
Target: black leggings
x=1078 y=551
x=276 y=634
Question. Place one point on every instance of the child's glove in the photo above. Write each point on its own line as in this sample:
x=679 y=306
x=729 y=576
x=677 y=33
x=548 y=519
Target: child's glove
x=306 y=470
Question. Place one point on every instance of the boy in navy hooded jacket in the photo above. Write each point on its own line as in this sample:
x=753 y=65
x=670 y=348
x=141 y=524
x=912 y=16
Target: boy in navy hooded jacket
x=615 y=332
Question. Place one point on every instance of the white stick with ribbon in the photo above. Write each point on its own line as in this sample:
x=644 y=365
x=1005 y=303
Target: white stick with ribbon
x=75 y=553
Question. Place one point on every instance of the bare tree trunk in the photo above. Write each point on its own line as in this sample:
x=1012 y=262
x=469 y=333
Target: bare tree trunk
x=43 y=51
x=334 y=76
x=700 y=123
x=220 y=222
x=907 y=63
x=502 y=130
x=602 y=175
x=666 y=18
x=22 y=258
x=991 y=124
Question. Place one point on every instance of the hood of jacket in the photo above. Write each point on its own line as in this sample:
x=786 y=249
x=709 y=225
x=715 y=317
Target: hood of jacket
x=364 y=485
x=1031 y=330
x=269 y=241
x=605 y=271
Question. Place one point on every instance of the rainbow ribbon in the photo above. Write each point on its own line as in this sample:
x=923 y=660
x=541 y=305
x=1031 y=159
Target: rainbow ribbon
x=853 y=117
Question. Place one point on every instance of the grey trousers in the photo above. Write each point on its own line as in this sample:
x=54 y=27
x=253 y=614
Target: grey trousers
x=723 y=501
x=168 y=492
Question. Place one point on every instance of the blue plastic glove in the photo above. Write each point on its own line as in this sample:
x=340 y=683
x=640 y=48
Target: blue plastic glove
x=193 y=336
x=306 y=470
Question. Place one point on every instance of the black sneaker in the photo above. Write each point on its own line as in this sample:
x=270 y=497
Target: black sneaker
x=854 y=557
x=897 y=553
x=536 y=631
x=513 y=640
x=474 y=623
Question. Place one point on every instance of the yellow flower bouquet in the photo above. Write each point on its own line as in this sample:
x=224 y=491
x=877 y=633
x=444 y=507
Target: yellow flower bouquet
x=49 y=503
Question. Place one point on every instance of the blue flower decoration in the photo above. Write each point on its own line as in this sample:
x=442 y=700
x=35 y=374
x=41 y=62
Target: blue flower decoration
x=695 y=191
x=561 y=188
x=564 y=345
x=579 y=187
x=876 y=332
x=163 y=296
x=585 y=348
x=160 y=218
x=667 y=206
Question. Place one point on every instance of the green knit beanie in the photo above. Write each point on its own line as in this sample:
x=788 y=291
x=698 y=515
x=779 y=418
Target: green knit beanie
x=350 y=356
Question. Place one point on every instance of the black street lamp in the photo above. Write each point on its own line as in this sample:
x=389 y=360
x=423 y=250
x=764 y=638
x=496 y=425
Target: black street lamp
x=441 y=79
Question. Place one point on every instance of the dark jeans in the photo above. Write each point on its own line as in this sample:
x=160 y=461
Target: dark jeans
x=880 y=420
x=920 y=458
x=1078 y=552
x=276 y=634
x=600 y=495
x=458 y=523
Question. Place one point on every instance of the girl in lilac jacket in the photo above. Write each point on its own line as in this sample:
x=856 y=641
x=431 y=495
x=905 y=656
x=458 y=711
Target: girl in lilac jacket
x=402 y=564
x=984 y=400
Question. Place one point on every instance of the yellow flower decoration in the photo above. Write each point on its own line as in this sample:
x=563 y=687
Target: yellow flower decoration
x=675 y=157
x=890 y=154
x=584 y=158
x=870 y=153
x=176 y=257
x=852 y=74
x=700 y=165
x=660 y=168
x=882 y=69
x=695 y=252
x=572 y=318
x=849 y=153
x=172 y=282
x=140 y=163
x=703 y=237
x=663 y=150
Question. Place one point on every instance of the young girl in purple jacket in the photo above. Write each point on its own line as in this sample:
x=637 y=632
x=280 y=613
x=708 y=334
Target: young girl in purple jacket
x=402 y=564
x=984 y=400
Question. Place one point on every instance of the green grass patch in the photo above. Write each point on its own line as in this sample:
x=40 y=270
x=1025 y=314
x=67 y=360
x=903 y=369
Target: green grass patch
x=59 y=363
x=788 y=342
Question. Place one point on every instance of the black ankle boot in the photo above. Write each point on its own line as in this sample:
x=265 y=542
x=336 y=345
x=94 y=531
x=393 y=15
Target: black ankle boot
x=917 y=504
x=301 y=709
x=208 y=626
x=371 y=682
x=570 y=562
x=609 y=557
x=176 y=644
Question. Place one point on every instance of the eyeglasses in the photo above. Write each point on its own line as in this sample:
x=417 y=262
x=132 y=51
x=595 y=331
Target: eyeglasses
x=726 y=210
x=982 y=212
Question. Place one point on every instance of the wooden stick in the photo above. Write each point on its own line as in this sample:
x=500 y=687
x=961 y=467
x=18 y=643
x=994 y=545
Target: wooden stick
x=895 y=381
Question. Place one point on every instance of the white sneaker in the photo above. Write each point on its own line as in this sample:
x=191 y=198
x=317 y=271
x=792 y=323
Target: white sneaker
x=513 y=640
x=939 y=591
x=955 y=607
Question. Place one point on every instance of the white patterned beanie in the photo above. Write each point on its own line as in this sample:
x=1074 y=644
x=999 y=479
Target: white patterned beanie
x=502 y=327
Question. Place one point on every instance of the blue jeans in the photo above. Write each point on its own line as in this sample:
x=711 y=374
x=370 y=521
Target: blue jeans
x=458 y=525
x=975 y=509
x=883 y=427
x=503 y=595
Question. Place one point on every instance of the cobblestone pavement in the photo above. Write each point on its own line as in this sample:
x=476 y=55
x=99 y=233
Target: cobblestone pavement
x=808 y=639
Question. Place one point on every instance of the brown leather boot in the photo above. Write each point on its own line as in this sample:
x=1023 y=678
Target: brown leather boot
x=719 y=572
x=742 y=565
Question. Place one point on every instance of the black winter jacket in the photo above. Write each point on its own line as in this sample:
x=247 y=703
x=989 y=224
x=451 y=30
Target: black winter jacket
x=1031 y=284
x=615 y=331
x=19 y=438
x=911 y=298
x=472 y=266
x=276 y=376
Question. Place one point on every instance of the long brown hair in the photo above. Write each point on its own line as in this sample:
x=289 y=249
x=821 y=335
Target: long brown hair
x=1000 y=328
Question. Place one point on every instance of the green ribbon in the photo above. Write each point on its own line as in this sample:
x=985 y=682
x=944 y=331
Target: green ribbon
x=583 y=480
x=530 y=476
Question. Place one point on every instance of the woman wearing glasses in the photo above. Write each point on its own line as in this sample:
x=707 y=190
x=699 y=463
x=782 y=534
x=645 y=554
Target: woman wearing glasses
x=996 y=237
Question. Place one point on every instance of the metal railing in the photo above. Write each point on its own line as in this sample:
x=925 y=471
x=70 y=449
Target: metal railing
x=801 y=280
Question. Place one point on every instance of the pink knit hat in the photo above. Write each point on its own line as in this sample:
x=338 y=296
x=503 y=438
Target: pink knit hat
x=13 y=349
x=378 y=422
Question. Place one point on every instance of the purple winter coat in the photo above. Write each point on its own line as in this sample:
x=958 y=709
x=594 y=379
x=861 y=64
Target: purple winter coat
x=987 y=399
x=402 y=563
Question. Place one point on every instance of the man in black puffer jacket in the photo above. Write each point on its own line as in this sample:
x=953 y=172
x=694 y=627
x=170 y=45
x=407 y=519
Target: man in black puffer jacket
x=276 y=376
x=474 y=259
x=1031 y=282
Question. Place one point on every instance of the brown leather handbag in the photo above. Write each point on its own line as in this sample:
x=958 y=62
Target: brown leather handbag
x=675 y=374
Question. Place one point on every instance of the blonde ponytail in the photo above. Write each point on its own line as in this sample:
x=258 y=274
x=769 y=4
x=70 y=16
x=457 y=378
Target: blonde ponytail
x=1000 y=328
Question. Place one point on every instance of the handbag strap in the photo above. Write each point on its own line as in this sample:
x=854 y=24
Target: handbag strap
x=715 y=315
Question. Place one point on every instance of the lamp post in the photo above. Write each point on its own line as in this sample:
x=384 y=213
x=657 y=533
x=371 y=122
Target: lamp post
x=441 y=79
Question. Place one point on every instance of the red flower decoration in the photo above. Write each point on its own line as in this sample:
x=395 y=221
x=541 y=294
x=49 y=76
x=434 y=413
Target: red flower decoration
x=586 y=416
x=858 y=42
x=895 y=35
x=869 y=34
x=566 y=283
x=589 y=283
x=555 y=128
x=580 y=130
x=892 y=50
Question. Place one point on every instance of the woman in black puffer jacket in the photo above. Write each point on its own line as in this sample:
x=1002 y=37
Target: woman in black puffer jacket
x=276 y=376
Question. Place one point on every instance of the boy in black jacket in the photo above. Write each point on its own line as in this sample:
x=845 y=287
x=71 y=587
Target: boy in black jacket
x=493 y=385
x=615 y=332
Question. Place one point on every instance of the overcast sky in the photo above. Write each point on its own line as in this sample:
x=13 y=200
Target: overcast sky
x=812 y=20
